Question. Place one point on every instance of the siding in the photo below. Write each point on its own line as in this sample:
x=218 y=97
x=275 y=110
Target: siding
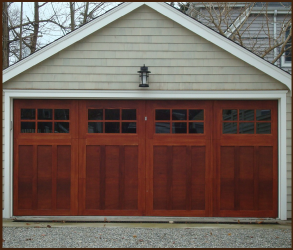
x=255 y=31
x=111 y=57
x=3 y=150
x=289 y=155
x=177 y=58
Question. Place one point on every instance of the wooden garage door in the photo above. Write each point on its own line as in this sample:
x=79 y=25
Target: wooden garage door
x=246 y=162
x=178 y=158
x=45 y=158
x=111 y=154
x=155 y=158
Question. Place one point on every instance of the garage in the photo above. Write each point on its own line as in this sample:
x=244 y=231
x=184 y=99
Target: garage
x=202 y=158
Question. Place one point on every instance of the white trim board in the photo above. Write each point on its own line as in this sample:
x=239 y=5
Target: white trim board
x=165 y=10
x=10 y=95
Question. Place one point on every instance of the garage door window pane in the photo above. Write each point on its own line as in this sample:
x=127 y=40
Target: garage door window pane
x=129 y=127
x=95 y=114
x=61 y=127
x=179 y=114
x=179 y=127
x=28 y=127
x=112 y=127
x=95 y=127
x=162 y=114
x=229 y=128
x=28 y=114
x=44 y=127
x=246 y=115
x=196 y=114
x=45 y=114
x=61 y=114
x=263 y=127
x=162 y=128
x=112 y=114
x=263 y=114
x=129 y=114
x=246 y=128
x=229 y=114
x=196 y=128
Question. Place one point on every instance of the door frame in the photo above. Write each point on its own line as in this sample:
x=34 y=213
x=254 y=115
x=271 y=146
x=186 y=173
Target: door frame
x=10 y=95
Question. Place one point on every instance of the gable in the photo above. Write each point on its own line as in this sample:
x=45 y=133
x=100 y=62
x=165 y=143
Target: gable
x=174 y=54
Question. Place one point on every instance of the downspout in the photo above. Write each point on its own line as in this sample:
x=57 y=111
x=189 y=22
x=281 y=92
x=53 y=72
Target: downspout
x=275 y=35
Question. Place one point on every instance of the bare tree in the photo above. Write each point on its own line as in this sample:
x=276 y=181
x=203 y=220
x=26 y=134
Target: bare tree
x=253 y=25
x=5 y=35
x=24 y=34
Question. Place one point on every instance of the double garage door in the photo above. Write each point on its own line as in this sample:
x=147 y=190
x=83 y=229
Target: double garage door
x=151 y=157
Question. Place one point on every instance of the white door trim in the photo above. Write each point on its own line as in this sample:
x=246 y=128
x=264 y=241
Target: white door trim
x=10 y=95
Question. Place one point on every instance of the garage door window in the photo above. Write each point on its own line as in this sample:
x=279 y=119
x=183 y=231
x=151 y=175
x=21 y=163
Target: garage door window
x=246 y=121
x=112 y=121
x=46 y=120
x=179 y=121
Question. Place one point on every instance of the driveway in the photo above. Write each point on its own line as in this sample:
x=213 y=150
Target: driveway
x=147 y=235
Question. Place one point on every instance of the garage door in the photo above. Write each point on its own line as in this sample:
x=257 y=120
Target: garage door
x=155 y=158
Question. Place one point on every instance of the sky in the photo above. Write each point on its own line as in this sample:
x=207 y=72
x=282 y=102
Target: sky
x=52 y=33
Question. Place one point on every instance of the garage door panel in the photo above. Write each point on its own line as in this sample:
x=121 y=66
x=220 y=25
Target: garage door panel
x=246 y=194
x=247 y=167
x=44 y=193
x=227 y=194
x=63 y=193
x=198 y=195
x=63 y=161
x=129 y=186
x=112 y=157
x=25 y=193
x=48 y=160
x=179 y=177
x=242 y=177
x=49 y=172
x=25 y=159
x=44 y=161
x=177 y=157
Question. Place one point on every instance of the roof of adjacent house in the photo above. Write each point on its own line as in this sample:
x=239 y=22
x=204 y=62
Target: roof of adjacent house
x=166 y=10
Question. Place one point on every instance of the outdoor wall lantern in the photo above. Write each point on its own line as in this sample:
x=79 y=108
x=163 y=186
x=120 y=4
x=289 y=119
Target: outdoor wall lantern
x=144 y=75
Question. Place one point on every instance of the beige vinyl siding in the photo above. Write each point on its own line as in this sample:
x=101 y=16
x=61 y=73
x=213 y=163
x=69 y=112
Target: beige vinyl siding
x=177 y=58
x=289 y=155
x=3 y=150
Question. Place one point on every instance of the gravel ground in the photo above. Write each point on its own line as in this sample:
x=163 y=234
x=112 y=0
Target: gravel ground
x=84 y=237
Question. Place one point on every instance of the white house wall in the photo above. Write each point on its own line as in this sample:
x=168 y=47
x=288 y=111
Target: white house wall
x=177 y=58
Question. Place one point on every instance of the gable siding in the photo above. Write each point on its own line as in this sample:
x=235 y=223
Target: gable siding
x=177 y=58
x=111 y=57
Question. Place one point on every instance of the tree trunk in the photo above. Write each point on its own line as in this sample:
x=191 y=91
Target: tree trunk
x=20 y=32
x=85 y=12
x=36 y=29
x=72 y=10
x=5 y=36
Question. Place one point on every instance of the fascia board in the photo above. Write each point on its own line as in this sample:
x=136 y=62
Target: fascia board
x=222 y=42
x=69 y=39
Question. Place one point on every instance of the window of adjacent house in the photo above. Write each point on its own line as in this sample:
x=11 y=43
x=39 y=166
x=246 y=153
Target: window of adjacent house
x=287 y=56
